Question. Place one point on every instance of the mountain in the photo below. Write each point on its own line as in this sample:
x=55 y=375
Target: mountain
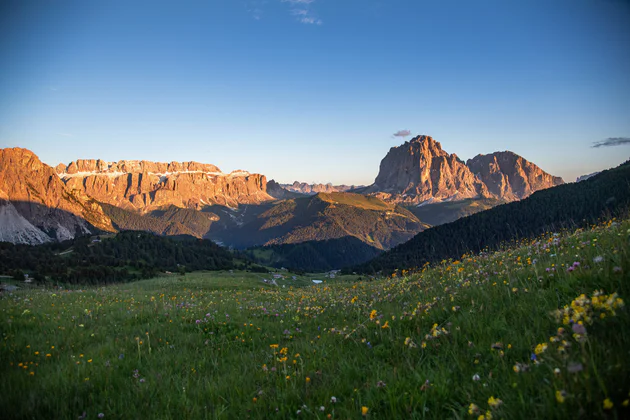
x=585 y=177
x=420 y=171
x=36 y=206
x=319 y=217
x=312 y=189
x=510 y=177
x=566 y=206
x=146 y=186
x=281 y=193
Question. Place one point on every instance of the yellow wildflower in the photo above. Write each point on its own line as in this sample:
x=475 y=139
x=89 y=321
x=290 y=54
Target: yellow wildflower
x=364 y=411
x=494 y=402
x=608 y=405
x=560 y=396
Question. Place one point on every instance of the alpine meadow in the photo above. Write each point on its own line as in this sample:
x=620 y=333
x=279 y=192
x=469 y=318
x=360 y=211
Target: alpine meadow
x=314 y=209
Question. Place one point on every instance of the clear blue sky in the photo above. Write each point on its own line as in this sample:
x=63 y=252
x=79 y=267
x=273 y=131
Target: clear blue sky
x=312 y=90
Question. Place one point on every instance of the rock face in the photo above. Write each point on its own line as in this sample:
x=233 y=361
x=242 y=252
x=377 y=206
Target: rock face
x=312 y=189
x=35 y=205
x=419 y=171
x=146 y=186
x=509 y=176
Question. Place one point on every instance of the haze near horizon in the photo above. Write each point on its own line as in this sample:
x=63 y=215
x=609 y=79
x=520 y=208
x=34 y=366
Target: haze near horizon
x=315 y=90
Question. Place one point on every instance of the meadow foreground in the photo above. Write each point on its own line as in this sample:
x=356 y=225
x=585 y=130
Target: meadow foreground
x=537 y=331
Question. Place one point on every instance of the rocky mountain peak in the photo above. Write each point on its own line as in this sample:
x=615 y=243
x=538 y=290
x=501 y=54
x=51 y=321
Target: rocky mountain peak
x=509 y=176
x=420 y=170
x=35 y=200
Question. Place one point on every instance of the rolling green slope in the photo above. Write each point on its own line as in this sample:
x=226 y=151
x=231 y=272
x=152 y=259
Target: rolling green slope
x=321 y=217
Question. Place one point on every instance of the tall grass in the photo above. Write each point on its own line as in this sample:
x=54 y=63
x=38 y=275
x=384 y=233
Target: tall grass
x=463 y=339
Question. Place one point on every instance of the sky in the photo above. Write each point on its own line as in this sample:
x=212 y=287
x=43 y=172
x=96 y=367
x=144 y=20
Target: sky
x=314 y=90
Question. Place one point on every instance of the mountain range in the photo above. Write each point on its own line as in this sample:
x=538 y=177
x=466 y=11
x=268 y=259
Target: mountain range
x=418 y=185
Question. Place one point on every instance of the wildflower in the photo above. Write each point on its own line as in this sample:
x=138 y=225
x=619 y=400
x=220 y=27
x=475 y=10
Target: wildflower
x=333 y=400
x=364 y=411
x=476 y=377
x=608 y=405
x=494 y=402
x=322 y=408
x=381 y=384
x=373 y=314
x=386 y=325
x=598 y=259
x=625 y=403
x=101 y=415
x=308 y=379
x=560 y=395
x=274 y=346
x=540 y=348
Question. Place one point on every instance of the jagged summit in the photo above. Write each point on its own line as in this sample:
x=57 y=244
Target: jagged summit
x=420 y=170
x=510 y=176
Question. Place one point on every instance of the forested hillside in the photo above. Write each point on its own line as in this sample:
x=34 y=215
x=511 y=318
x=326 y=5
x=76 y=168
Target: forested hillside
x=314 y=256
x=564 y=206
x=127 y=256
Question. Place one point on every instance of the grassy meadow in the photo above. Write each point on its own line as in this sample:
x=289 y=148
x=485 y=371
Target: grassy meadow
x=536 y=331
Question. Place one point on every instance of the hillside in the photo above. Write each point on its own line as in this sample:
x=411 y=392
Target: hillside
x=321 y=217
x=169 y=221
x=494 y=335
x=314 y=256
x=569 y=205
x=442 y=212
x=125 y=257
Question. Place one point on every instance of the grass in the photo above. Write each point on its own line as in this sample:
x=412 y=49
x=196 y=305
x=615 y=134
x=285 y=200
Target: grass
x=455 y=341
x=355 y=200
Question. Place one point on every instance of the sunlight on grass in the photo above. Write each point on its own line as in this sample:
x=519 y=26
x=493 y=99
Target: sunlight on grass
x=535 y=332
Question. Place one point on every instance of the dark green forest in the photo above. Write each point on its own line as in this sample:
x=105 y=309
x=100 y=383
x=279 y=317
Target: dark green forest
x=566 y=206
x=127 y=256
x=314 y=256
x=169 y=221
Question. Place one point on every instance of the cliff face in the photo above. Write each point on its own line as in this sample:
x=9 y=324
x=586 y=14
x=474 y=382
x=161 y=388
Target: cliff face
x=312 y=189
x=36 y=206
x=510 y=176
x=145 y=186
x=420 y=171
